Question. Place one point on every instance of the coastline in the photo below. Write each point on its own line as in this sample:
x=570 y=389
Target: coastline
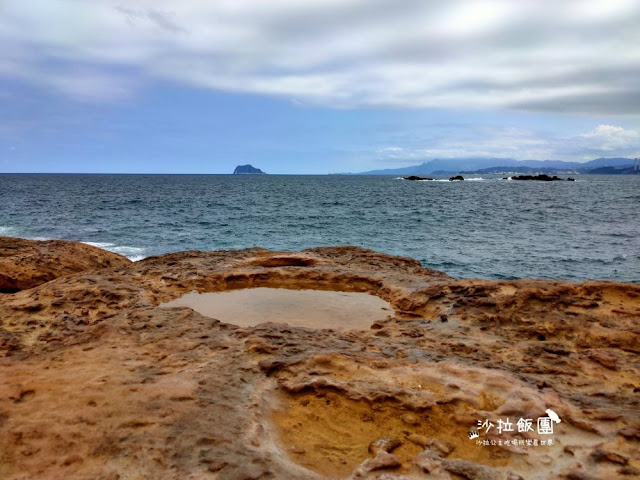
x=99 y=381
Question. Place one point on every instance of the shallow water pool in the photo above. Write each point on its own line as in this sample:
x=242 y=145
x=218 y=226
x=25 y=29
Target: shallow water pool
x=302 y=308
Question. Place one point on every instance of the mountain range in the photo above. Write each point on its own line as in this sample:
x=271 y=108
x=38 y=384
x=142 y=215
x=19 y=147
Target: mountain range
x=474 y=164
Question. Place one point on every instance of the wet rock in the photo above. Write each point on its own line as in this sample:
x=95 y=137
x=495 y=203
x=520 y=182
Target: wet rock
x=457 y=177
x=414 y=177
x=541 y=178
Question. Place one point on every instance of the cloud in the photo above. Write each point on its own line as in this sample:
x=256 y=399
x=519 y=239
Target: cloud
x=482 y=141
x=612 y=134
x=609 y=140
x=572 y=57
x=391 y=150
x=163 y=20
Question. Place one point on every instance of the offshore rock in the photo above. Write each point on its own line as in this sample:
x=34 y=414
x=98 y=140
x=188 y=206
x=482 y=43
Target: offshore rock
x=98 y=381
x=542 y=178
x=415 y=177
x=247 y=169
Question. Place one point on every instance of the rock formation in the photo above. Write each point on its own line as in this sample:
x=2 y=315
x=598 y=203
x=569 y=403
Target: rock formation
x=97 y=381
x=247 y=169
x=541 y=178
x=29 y=263
x=414 y=177
x=457 y=177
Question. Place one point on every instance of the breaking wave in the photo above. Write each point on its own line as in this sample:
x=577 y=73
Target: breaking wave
x=132 y=253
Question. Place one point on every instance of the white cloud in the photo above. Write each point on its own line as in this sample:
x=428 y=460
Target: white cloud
x=391 y=150
x=573 y=56
x=611 y=139
x=611 y=134
x=602 y=141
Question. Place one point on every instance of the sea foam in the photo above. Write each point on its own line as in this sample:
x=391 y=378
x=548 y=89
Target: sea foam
x=132 y=253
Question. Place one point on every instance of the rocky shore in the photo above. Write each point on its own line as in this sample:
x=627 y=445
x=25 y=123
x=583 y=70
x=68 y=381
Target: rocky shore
x=97 y=381
x=540 y=178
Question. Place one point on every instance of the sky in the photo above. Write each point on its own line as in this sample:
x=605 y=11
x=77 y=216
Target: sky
x=313 y=86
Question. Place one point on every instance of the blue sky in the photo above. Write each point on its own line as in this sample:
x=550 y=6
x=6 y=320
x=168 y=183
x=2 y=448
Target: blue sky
x=313 y=87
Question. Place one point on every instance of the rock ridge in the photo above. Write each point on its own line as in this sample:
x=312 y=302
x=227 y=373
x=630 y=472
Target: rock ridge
x=98 y=381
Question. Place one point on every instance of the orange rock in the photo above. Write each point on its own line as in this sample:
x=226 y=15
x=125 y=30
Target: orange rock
x=29 y=263
x=98 y=381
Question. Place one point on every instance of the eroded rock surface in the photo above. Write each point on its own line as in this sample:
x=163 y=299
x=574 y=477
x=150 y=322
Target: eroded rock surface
x=28 y=263
x=97 y=381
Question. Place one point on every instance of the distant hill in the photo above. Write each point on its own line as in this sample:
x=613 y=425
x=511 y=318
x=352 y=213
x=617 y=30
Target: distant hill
x=503 y=169
x=613 y=171
x=247 y=170
x=499 y=165
x=444 y=165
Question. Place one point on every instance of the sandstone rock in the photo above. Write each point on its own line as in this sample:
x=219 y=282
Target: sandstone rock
x=431 y=463
x=384 y=444
x=443 y=447
x=578 y=474
x=382 y=460
x=629 y=471
x=417 y=439
x=514 y=476
x=29 y=263
x=601 y=455
x=606 y=359
x=410 y=419
x=630 y=432
x=471 y=470
x=91 y=366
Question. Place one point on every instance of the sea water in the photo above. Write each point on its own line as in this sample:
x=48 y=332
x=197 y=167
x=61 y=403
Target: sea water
x=486 y=228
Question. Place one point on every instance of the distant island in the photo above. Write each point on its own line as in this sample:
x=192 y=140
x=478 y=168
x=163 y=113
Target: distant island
x=247 y=170
x=506 y=166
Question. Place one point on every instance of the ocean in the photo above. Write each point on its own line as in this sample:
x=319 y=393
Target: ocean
x=484 y=227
